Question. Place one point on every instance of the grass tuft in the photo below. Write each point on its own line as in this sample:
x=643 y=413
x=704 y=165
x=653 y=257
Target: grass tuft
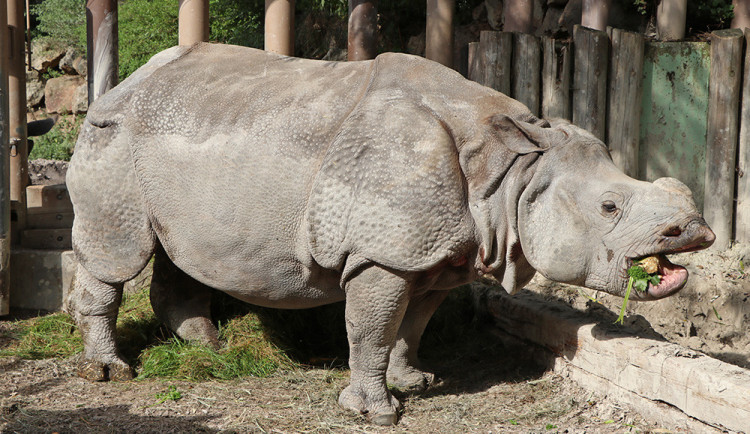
x=49 y=336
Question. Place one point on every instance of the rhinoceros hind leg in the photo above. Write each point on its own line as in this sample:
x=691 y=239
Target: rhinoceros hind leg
x=94 y=305
x=182 y=303
x=404 y=370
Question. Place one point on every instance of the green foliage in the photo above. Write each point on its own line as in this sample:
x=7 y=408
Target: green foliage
x=63 y=21
x=58 y=143
x=171 y=394
x=146 y=28
x=707 y=15
x=641 y=278
x=236 y=22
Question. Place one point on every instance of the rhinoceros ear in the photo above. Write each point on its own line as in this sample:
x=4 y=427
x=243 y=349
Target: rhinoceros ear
x=525 y=137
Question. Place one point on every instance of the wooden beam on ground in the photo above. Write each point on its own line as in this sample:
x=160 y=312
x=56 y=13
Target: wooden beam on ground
x=4 y=172
x=494 y=57
x=527 y=70
x=742 y=224
x=439 y=31
x=722 y=134
x=665 y=382
x=625 y=89
x=363 y=30
x=278 y=33
x=590 y=80
x=556 y=62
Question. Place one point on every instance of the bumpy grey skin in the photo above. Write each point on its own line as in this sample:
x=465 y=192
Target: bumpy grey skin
x=294 y=183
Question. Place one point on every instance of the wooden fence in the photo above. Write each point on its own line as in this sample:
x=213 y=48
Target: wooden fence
x=679 y=109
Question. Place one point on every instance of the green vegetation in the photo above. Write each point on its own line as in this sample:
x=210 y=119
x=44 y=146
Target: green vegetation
x=171 y=394
x=639 y=279
x=50 y=336
x=59 y=142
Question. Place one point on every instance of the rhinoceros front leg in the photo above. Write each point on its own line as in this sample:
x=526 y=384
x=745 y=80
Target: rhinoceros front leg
x=94 y=306
x=376 y=300
x=404 y=369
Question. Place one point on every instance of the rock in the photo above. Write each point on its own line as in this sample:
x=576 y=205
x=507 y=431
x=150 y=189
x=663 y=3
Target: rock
x=60 y=93
x=34 y=88
x=73 y=63
x=46 y=54
x=47 y=172
x=81 y=99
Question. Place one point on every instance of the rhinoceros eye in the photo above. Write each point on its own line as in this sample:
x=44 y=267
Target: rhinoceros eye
x=609 y=207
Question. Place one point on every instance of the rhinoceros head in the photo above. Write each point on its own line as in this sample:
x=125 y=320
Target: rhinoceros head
x=584 y=222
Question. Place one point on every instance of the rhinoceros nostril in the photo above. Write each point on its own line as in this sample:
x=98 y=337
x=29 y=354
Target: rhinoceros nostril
x=673 y=231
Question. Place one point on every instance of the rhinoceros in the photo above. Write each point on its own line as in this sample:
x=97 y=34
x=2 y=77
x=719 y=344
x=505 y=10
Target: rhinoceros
x=293 y=183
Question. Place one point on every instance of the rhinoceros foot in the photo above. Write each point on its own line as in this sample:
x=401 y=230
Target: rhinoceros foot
x=380 y=412
x=409 y=379
x=95 y=370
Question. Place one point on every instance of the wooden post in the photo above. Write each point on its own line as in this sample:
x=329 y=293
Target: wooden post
x=19 y=163
x=556 y=60
x=4 y=172
x=279 y=27
x=494 y=57
x=670 y=19
x=363 y=30
x=723 y=105
x=527 y=70
x=590 y=80
x=472 y=67
x=742 y=224
x=518 y=16
x=439 y=31
x=193 y=21
x=625 y=88
x=102 y=46
x=741 y=18
x=595 y=14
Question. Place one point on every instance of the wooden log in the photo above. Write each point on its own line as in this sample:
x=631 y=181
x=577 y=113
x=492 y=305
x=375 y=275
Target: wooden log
x=527 y=71
x=519 y=16
x=670 y=19
x=723 y=107
x=494 y=57
x=591 y=49
x=439 y=31
x=625 y=89
x=363 y=30
x=701 y=392
x=741 y=14
x=556 y=60
x=5 y=237
x=742 y=223
x=595 y=14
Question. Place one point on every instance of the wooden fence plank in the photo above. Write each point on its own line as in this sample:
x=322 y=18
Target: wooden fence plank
x=556 y=59
x=742 y=223
x=494 y=60
x=723 y=106
x=625 y=90
x=527 y=69
x=473 y=61
x=590 y=80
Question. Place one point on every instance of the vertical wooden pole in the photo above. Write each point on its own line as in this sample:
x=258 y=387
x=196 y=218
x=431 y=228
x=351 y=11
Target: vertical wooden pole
x=625 y=88
x=595 y=14
x=742 y=225
x=723 y=106
x=102 y=46
x=741 y=18
x=472 y=61
x=4 y=171
x=590 y=80
x=518 y=16
x=494 y=57
x=556 y=58
x=19 y=164
x=363 y=30
x=439 y=31
x=279 y=27
x=527 y=70
x=670 y=19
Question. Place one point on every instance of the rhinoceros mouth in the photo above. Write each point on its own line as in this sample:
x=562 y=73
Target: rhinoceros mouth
x=673 y=278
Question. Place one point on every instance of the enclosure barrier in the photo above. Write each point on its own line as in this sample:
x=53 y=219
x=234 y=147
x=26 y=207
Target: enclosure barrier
x=664 y=108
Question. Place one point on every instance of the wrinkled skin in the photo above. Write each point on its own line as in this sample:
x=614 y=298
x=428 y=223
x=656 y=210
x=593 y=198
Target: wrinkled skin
x=294 y=183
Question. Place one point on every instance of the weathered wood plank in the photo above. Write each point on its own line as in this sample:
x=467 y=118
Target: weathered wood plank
x=48 y=198
x=723 y=107
x=708 y=390
x=527 y=70
x=742 y=224
x=625 y=90
x=494 y=56
x=591 y=49
x=556 y=61
x=473 y=61
x=58 y=239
